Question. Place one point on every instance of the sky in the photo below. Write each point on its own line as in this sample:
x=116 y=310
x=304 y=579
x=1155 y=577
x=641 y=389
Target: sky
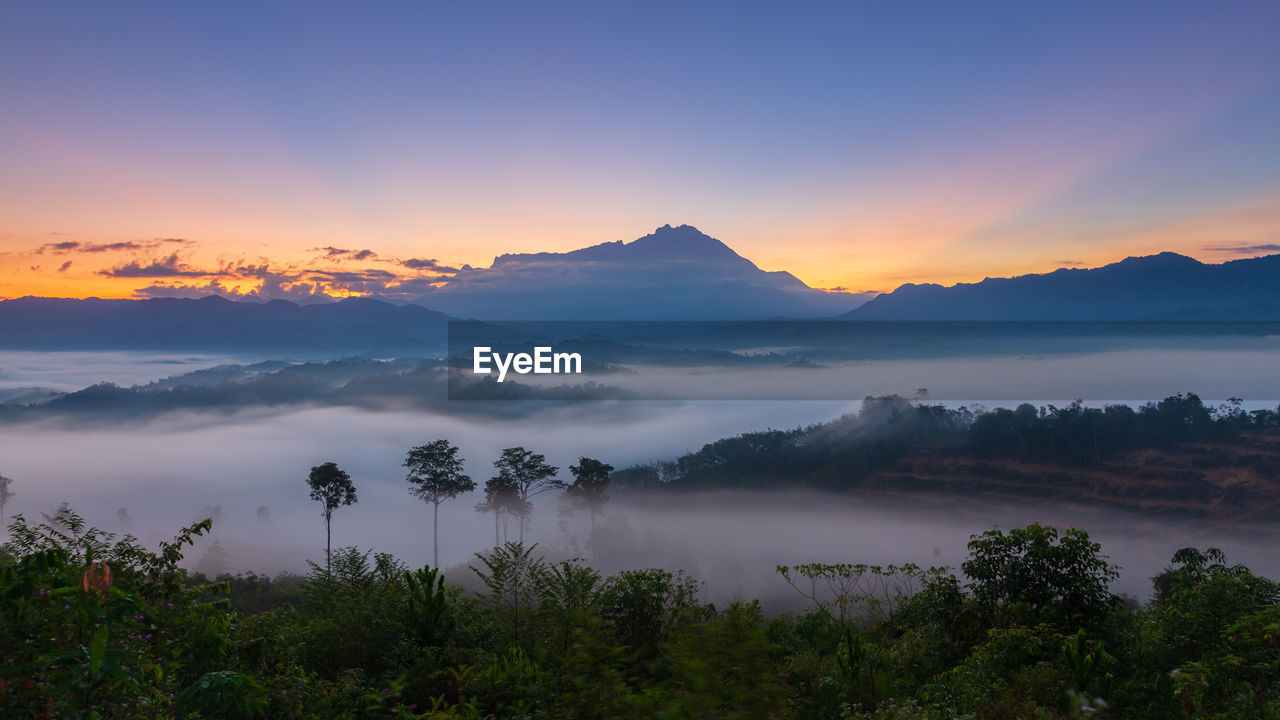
x=277 y=149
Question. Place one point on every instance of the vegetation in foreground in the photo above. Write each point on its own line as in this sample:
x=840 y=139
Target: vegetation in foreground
x=96 y=626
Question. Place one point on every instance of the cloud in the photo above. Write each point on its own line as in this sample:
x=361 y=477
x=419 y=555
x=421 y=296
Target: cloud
x=58 y=247
x=428 y=264
x=1265 y=248
x=112 y=247
x=336 y=254
x=68 y=246
x=273 y=285
x=348 y=276
x=168 y=267
x=64 y=267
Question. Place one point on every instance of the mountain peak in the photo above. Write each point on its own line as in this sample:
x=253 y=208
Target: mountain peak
x=683 y=240
x=674 y=272
x=1163 y=259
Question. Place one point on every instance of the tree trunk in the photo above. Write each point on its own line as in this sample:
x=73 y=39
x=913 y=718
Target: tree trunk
x=435 y=538
x=495 y=527
x=328 y=545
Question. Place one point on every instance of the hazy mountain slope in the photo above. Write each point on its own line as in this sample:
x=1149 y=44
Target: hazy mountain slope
x=674 y=273
x=1136 y=287
x=215 y=324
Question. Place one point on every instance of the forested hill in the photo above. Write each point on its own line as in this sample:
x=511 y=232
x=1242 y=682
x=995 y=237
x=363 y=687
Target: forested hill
x=1175 y=456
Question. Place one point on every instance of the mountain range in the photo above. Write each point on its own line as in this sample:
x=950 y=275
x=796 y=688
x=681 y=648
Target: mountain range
x=214 y=324
x=674 y=273
x=1166 y=286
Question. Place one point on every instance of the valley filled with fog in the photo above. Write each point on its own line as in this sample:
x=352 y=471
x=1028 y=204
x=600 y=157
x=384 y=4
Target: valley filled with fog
x=246 y=467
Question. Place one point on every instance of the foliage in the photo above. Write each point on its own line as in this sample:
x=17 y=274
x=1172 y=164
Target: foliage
x=522 y=474
x=849 y=592
x=5 y=494
x=512 y=576
x=95 y=625
x=435 y=475
x=590 y=485
x=435 y=472
x=1031 y=576
x=842 y=453
x=332 y=488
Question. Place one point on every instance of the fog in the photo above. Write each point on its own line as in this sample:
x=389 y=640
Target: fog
x=1100 y=376
x=165 y=472
x=67 y=371
x=179 y=470
x=181 y=466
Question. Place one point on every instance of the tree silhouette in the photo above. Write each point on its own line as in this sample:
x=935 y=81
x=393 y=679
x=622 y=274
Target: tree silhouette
x=502 y=499
x=333 y=488
x=590 y=485
x=214 y=562
x=435 y=475
x=525 y=474
x=5 y=494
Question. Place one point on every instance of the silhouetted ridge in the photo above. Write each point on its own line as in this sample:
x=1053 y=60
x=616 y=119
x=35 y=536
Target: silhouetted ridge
x=1162 y=285
x=214 y=324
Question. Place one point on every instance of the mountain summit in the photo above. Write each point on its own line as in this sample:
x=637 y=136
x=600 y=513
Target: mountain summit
x=685 y=242
x=673 y=273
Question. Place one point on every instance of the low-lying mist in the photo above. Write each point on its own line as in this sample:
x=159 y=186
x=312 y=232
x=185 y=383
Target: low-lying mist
x=249 y=475
x=246 y=465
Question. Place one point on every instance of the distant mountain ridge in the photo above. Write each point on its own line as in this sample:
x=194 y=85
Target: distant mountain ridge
x=214 y=324
x=1166 y=286
x=673 y=273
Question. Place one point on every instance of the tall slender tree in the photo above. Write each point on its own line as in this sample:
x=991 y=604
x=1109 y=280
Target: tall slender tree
x=527 y=474
x=590 y=485
x=435 y=475
x=332 y=487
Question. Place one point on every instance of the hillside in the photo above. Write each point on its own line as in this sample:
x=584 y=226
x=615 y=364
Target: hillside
x=214 y=324
x=1164 y=286
x=1175 y=457
x=1229 y=483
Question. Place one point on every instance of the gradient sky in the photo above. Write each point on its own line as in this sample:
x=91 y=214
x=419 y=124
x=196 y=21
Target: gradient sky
x=858 y=145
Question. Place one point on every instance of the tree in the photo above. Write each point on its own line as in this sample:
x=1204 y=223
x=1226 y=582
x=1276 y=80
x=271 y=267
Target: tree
x=501 y=499
x=214 y=562
x=333 y=488
x=5 y=494
x=527 y=474
x=1201 y=596
x=590 y=485
x=435 y=474
x=1031 y=576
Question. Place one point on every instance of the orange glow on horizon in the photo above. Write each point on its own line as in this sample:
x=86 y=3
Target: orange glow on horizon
x=878 y=258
